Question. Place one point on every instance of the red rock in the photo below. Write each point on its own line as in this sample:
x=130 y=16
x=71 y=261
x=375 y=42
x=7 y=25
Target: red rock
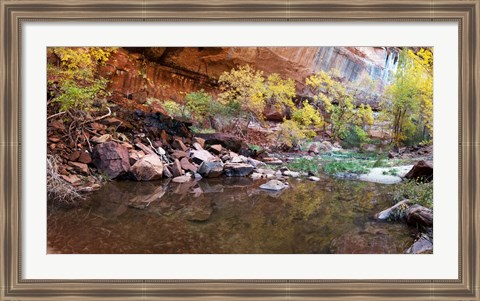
x=216 y=149
x=176 y=168
x=148 y=168
x=111 y=159
x=74 y=156
x=85 y=158
x=179 y=154
x=54 y=139
x=72 y=179
x=179 y=145
x=186 y=165
x=200 y=141
x=83 y=168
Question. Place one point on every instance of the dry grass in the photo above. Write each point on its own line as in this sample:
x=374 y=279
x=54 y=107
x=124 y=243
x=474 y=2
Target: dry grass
x=60 y=191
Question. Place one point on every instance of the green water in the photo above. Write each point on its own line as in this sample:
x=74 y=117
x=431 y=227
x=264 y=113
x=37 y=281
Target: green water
x=229 y=216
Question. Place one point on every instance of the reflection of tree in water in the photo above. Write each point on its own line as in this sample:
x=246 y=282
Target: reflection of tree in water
x=216 y=216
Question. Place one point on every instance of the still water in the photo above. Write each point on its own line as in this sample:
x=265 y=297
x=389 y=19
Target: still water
x=229 y=216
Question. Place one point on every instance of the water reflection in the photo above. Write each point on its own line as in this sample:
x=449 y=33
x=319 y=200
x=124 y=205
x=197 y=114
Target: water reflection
x=229 y=215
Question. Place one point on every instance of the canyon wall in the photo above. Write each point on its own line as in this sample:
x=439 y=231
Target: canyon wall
x=169 y=73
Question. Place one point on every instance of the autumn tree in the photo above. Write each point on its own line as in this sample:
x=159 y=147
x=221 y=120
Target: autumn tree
x=253 y=91
x=409 y=99
x=337 y=105
x=73 y=81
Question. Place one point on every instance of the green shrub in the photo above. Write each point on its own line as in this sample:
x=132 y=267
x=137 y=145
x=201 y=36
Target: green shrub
x=354 y=136
x=419 y=193
x=351 y=166
x=306 y=165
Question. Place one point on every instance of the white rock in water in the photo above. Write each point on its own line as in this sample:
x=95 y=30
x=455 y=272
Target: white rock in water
x=274 y=185
x=314 y=179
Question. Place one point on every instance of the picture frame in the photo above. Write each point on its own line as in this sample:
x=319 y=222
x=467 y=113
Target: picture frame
x=14 y=13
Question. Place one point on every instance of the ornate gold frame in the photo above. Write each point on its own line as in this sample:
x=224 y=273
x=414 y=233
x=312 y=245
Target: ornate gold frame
x=464 y=12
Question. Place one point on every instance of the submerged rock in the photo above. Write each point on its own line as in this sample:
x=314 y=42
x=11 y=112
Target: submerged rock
x=274 y=185
x=148 y=168
x=111 y=159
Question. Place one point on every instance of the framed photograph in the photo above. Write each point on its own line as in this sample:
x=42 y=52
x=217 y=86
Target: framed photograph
x=231 y=150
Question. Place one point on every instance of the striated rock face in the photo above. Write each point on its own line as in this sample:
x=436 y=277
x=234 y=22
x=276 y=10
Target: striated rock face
x=167 y=73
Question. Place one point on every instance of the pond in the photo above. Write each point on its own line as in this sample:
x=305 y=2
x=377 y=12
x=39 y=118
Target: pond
x=229 y=216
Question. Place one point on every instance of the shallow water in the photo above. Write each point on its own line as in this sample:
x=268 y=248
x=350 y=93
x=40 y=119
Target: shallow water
x=229 y=216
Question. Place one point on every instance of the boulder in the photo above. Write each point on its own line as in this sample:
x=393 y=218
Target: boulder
x=111 y=159
x=200 y=156
x=216 y=149
x=419 y=215
x=135 y=155
x=182 y=179
x=176 y=168
x=148 y=168
x=274 y=185
x=271 y=113
x=186 y=165
x=200 y=141
x=314 y=149
x=211 y=169
x=256 y=163
x=326 y=146
x=422 y=171
x=237 y=169
x=228 y=141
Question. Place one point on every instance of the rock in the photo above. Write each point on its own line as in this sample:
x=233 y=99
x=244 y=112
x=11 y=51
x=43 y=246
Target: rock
x=182 y=179
x=423 y=245
x=179 y=154
x=111 y=159
x=272 y=161
x=274 y=185
x=176 y=168
x=72 y=179
x=186 y=165
x=74 y=156
x=237 y=169
x=292 y=174
x=326 y=146
x=265 y=171
x=314 y=179
x=228 y=141
x=419 y=215
x=166 y=172
x=422 y=171
x=148 y=168
x=237 y=159
x=314 y=149
x=256 y=163
x=85 y=158
x=101 y=139
x=197 y=146
x=257 y=176
x=271 y=113
x=388 y=213
x=200 y=156
x=200 y=141
x=211 y=169
x=134 y=156
x=81 y=167
x=178 y=144
x=216 y=149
